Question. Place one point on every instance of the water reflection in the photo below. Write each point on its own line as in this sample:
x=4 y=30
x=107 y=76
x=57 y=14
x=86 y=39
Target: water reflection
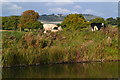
x=78 y=70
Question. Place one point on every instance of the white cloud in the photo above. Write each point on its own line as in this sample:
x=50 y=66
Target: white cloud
x=60 y=0
x=10 y=8
x=77 y=7
x=63 y=0
x=58 y=3
x=58 y=10
x=74 y=12
x=90 y=11
x=96 y=0
x=37 y=0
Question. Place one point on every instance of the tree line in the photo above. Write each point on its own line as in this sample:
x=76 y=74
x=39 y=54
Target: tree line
x=29 y=20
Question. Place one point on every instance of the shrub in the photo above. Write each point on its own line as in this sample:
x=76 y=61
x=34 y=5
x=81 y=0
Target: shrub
x=30 y=48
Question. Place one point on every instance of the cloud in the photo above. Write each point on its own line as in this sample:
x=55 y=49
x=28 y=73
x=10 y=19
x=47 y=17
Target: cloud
x=10 y=8
x=58 y=3
x=77 y=7
x=90 y=11
x=63 y=0
x=74 y=12
x=96 y=0
x=60 y=0
x=58 y=10
x=37 y=0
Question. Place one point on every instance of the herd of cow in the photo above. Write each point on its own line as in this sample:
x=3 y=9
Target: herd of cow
x=55 y=28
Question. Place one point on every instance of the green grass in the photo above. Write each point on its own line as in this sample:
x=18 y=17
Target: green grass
x=114 y=26
x=28 y=48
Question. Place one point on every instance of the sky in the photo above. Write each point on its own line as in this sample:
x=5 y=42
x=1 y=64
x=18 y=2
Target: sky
x=60 y=0
x=102 y=8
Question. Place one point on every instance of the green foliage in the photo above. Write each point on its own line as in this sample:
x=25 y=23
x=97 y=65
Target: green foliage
x=28 y=48
x=10 y=23
x=98 y=20
x=28 y=20
x=74 y=21
x=37 y=25
x=118 y=21
x=111 y=21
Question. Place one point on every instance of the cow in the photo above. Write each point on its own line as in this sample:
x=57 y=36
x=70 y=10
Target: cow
x=97 y=26
x=51 y=27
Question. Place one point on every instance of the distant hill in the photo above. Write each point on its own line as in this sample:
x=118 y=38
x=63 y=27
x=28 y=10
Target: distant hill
x=60 y=17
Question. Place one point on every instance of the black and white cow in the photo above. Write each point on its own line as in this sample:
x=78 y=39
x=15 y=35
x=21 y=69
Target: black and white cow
x=97 y=26
x=51 y=27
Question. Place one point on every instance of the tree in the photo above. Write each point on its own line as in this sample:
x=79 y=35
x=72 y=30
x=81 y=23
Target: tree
x=37 y=25
x=28 y=18
x=10 y=23
x=98 y=20
x=4 y=22
x=74 y=21
x=111 y=21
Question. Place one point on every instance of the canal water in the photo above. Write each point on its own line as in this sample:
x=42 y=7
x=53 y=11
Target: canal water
x=77 y=70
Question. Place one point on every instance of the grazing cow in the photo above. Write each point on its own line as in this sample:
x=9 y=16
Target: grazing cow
x=97 y=26
x=51 y=27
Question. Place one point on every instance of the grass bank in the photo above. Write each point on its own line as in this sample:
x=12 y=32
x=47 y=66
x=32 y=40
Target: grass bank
x=33 y=48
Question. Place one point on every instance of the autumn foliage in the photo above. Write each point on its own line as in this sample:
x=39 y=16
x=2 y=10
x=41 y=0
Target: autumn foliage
x=28 y=19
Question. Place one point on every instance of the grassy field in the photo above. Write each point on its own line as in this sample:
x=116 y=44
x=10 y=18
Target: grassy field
x=34 y=48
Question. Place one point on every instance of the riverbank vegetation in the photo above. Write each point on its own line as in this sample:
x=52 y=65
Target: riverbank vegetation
x=76 y=43
x=33 y=48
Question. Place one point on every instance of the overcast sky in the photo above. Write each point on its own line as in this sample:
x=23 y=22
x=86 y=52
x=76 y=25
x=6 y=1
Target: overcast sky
x=60 y=0
x=103 y=9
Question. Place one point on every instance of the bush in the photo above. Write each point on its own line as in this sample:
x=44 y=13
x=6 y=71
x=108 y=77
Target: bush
x=33 y=48
x=74 y=22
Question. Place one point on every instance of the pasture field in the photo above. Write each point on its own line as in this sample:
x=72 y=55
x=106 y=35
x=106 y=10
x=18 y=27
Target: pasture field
x=34 y=48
